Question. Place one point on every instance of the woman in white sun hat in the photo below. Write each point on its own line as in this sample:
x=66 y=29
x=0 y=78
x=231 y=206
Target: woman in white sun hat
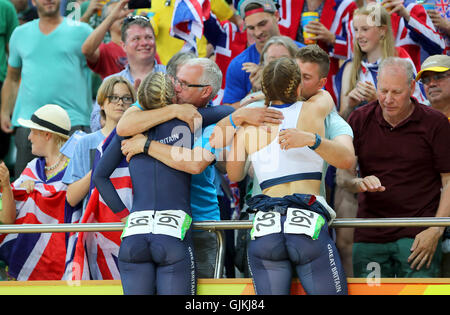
x=38 y=196
x=50 y=126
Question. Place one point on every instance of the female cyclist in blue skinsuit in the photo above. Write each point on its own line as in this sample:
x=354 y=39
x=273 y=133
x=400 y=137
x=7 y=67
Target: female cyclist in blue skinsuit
x=156 y=254
x=290 y=227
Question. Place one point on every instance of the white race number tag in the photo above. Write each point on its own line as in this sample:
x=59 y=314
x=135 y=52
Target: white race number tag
x=172 y=222
x=265 y=223
x=302 y=221
x=168 y=222
x=139 y=222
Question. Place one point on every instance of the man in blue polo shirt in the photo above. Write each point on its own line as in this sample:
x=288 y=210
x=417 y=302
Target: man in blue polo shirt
x=261 y=22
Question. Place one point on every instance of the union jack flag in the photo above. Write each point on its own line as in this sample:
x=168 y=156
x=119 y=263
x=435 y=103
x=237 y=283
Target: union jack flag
x=95 y=254
x=38 y=256
x=442 y=7
x=187 y=21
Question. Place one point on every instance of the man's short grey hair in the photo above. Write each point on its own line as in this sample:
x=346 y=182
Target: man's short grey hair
x=177 y=60
x=211 y=74
x=282 y=41
x=397 y=61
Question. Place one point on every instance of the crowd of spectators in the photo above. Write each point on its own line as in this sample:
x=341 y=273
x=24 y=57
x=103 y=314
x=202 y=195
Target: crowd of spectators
x=386 y=150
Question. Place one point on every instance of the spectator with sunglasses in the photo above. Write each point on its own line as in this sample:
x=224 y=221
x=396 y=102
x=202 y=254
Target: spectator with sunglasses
x=138 y=42
x=107 y=58
x=435 y=77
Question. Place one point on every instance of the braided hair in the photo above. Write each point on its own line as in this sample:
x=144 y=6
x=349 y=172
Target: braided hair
x=280 y=80
x=155 y=91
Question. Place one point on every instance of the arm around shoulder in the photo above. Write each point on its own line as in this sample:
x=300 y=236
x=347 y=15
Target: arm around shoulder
x=323 y=102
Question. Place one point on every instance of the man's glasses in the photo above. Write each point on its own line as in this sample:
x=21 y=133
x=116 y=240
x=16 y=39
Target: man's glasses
x=127 y=100
x=438 y=76
x=131 y=18
x=185 y=85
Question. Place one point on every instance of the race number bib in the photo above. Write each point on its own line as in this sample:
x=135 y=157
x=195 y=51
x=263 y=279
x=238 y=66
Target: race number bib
x=172 y=222
x=265 y=223
x=168 y=222
x=139 y=222
x=302 y=221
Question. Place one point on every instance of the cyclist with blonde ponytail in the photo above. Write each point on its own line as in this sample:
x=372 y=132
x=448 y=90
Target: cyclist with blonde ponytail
x=156 y=254
x=290 y=228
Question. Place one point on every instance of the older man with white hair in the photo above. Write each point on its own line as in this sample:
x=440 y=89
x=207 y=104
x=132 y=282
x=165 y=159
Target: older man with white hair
x=404 y=163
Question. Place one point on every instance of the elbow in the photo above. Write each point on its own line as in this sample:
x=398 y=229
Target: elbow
x=234 y=176
x=96 y=179
x=8 y=216
x=84 y=51
x=123 y=129
x=71 y=198
x=87 y=52
x=347 y=162
x=71 y=201
x=8 y=221
x=120 y=130
x=196 y=168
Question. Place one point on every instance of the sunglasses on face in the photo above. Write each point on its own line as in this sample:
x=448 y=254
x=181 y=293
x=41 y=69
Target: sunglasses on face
x=436 y=77
x=131 y=18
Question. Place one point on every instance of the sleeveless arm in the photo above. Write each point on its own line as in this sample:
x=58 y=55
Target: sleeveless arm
x=314 y=112
x=237 y=157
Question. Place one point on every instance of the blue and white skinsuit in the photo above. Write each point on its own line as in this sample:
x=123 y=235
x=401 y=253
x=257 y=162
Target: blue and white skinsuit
x=156 y=261
x=296 y=225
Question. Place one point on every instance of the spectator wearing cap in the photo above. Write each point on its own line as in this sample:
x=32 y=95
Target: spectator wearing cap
x=435 y=77
x=408 y=177
x=261 y=21
x=45 y=60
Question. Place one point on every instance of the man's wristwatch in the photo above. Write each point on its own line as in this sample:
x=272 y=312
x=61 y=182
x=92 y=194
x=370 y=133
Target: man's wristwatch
x=317 y=143
x=146 y=145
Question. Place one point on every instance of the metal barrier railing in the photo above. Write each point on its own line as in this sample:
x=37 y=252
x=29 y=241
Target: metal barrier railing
x=218 y=227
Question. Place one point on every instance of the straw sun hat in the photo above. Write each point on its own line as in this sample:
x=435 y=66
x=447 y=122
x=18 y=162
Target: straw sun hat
x=51 y=118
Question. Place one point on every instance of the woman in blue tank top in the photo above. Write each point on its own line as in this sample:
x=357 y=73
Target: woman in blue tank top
x=156 y=254
x=290 y=228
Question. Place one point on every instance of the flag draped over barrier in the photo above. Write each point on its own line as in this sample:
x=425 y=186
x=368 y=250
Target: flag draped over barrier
x=95 y=254
x=38 y=256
